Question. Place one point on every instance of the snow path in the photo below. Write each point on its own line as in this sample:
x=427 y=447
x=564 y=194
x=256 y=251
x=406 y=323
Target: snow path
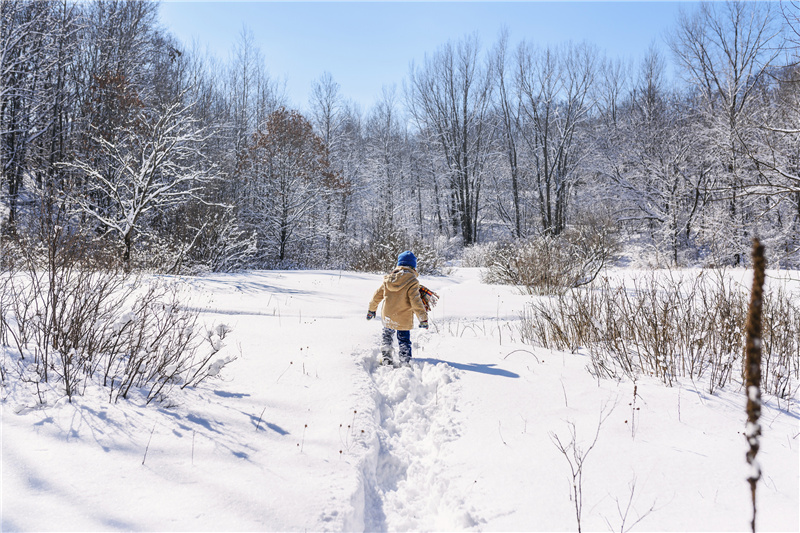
x=406 y=475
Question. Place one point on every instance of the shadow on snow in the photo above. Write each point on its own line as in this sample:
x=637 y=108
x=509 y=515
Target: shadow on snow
x=473 y=367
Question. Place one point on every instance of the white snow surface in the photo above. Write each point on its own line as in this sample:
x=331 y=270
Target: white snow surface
x=304 y=431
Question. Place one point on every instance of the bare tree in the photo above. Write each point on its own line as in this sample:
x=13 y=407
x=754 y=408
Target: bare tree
x=28 y=31
x=556 y=87
x=790 y=10
x=251 y=95
x=326 y=108
x=650 y=154
x=614 y=88
x=509 y=110
x=287 y=179
x=327 y=114
x=348 y=160
x=152 y=167
x=245 y=60
x=724 y=50
x=774 y=148
x=449 y=98
x=385 y=158
x=115 y=66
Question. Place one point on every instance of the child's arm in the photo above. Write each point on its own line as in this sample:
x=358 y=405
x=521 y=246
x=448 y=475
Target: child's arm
x=377 y=298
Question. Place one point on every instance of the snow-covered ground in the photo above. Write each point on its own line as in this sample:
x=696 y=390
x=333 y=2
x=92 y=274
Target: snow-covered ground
x=304 y=432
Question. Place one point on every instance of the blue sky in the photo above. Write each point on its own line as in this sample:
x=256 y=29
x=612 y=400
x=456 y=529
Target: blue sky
x=368 y=45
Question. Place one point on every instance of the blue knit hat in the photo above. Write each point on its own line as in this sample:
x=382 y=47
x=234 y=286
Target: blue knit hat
x=407 y=259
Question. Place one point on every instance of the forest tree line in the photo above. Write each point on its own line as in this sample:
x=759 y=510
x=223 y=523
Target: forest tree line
x=115 y=136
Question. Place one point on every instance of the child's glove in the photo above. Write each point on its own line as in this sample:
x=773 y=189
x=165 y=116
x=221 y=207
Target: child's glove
x=370 y=315
x=424 y=324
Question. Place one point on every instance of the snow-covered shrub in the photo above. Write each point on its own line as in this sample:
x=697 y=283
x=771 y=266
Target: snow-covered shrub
x=669 y=326
x=159 y=345
x=550 y=264
x=448 y=248
x=539 y=265
x=378 y=253
x=67 y=322
x=195 y=240
x=478 y=255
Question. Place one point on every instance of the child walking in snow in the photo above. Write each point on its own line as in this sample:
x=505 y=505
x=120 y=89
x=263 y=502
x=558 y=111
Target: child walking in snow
x=401 y=296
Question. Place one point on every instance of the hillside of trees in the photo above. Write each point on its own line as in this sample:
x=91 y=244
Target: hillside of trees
x=120 y=145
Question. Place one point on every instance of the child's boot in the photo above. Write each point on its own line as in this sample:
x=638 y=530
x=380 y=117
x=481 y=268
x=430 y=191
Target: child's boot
x=387 y=348
x=404 y=338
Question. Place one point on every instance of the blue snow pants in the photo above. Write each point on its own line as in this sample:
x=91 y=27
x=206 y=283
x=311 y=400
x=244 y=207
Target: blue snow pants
x=403 y=340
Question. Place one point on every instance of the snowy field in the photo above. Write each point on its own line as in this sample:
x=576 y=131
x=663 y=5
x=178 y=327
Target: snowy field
x=303 y=432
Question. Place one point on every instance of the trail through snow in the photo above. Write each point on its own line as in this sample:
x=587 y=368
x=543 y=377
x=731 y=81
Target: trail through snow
x=407 y=473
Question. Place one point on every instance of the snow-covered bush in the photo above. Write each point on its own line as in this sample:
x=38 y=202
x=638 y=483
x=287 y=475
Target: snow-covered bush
x=66 y=323
x=478 y=255
x=215 y=243
x=223 y=245
x=159 y=345
x=538 y=265
x=378 y=253
x=550 y=264
x=780 y=339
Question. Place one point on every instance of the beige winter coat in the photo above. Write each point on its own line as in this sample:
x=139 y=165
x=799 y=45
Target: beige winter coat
x=401 y=299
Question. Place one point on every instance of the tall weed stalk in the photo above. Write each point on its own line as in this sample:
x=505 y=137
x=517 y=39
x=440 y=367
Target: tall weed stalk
x=752 y=371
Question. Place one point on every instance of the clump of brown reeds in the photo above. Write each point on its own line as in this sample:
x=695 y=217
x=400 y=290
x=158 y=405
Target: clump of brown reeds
x=671 y=325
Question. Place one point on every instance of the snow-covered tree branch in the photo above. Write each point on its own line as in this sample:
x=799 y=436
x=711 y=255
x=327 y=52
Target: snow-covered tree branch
x=150 y=167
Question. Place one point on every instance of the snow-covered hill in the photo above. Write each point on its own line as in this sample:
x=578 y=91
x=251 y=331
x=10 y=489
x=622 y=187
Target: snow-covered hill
x=304 y=432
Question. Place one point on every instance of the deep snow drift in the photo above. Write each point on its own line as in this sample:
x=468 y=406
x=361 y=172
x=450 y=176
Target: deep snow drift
x=305 y=432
